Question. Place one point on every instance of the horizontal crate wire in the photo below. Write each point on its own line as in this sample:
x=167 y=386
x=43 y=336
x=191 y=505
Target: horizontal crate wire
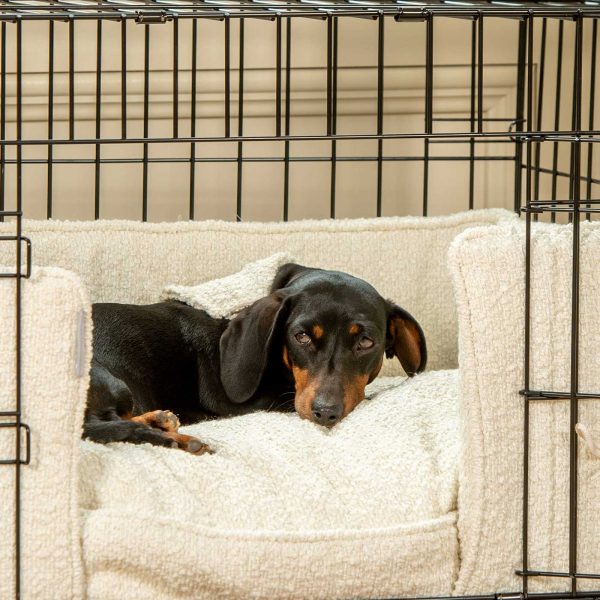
x=271 y=110
x=193 y=8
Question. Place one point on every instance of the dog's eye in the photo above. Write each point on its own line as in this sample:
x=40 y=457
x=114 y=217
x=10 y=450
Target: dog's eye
x=365 y=343
x=303 y=338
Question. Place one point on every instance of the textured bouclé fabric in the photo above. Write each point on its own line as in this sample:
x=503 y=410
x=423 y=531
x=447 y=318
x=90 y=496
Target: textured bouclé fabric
x=403 y=257
x=56 y=341
x=225 y=297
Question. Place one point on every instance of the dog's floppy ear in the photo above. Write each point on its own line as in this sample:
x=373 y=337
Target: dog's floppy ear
x=286 y=274
x=246 y=343
x=405 y=339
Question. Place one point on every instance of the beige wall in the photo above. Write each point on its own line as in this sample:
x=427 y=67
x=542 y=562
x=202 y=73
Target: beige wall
x=215 y=197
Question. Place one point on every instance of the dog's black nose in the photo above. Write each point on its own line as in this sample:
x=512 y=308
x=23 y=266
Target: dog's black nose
x=325 y=413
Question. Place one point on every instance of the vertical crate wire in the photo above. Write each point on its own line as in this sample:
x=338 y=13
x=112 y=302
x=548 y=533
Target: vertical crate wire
x=13 y=419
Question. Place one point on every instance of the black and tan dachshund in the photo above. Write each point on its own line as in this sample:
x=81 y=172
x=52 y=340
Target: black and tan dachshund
x=312 y=345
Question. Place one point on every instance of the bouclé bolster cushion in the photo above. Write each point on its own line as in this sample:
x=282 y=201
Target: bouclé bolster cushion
x=404 y=258
x=225 y=297
x=488 y=267
x=55 y=350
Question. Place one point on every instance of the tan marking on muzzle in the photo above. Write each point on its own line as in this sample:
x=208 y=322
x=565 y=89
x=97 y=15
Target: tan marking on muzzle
x=354 y=393
x=306 y=391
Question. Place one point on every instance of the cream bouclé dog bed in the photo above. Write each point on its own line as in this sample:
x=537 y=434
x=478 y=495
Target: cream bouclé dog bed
x=284 y=508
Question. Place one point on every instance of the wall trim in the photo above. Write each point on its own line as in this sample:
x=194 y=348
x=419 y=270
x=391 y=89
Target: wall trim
x=357 y=86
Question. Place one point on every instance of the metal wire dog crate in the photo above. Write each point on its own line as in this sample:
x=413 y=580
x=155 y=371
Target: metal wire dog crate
x=551 y=151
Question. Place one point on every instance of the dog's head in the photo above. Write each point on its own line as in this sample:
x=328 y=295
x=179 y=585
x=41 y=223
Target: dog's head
x=330 y=330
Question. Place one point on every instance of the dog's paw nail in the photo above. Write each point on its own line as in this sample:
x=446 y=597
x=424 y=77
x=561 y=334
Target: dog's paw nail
x=174 y=445
x=197 y=447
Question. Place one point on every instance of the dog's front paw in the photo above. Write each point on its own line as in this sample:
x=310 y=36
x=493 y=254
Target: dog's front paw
x=164 y=420
x=190 y=444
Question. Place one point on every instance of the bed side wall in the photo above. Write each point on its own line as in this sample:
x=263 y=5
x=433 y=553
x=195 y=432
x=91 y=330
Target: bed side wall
x=488 y=267
x=56 y=347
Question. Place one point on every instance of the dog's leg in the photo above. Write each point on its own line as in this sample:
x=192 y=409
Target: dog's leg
x=166 y=421
x=108 y=417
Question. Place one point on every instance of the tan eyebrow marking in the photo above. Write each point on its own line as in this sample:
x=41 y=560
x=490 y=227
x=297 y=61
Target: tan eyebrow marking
x=354 y=328
x=317 y=331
